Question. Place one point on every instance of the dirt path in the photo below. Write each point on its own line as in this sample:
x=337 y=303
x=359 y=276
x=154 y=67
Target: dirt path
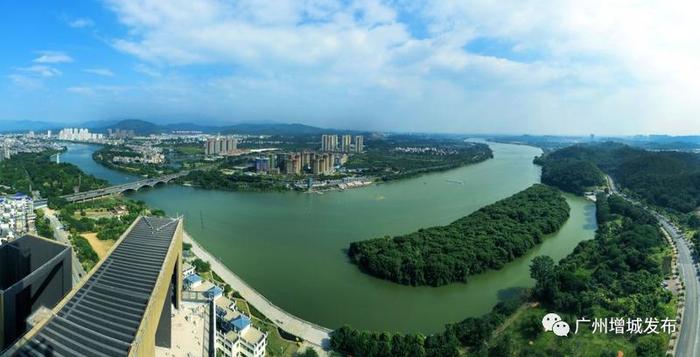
x=101 y=247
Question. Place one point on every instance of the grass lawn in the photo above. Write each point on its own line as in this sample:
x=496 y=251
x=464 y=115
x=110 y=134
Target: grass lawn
x=94 y=213
x=276 y=344
x=190 y=150
x=582 y=344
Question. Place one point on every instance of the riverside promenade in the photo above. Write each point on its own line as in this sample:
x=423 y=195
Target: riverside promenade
x=313 y=333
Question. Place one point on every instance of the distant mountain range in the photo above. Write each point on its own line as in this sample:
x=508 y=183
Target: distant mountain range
x=26 y=125
x=142 y=127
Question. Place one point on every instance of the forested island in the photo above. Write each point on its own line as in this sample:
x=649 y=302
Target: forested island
x=26 y=172
x=486 y=239
x=617 y=274
x=669 y=179
x=398 y=157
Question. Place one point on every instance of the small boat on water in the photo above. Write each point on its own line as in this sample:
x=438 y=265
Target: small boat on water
x=455 y=181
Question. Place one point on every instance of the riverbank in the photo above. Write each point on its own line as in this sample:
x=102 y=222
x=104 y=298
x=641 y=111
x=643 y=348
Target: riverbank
x=313 y=333
x=290 y=246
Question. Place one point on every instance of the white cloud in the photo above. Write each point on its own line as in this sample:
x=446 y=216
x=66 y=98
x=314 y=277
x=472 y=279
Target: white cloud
x=593 y=65
x=147 y=70
x=93 y=90
x=81 y=23
x=99 y=71
x=82 y=90
x=53 y=57
x=25 y=82
x=41 y=70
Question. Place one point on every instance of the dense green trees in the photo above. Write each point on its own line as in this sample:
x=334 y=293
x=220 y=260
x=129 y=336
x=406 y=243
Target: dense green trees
x=308 y=352
x=471 y=333
x=201 y=266
x=214 y=179
x=35 y=171
x=86 y=255
x=619 y=271
x=381 y=158
x=43 y=225
x=485 y=239
x=669 y=179
x=571 y=175
x=108 y=227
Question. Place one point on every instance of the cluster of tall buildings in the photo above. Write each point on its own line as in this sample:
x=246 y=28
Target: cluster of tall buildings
x=5 y=153
x=120 y=133
x=221 y=146
x=73 y=134
x=329 y=142
x=300 y=162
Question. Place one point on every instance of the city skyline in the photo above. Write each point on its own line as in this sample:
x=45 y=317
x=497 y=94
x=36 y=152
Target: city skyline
x=574 y=68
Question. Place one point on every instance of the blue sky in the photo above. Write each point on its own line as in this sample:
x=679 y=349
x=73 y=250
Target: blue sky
x=527 y=66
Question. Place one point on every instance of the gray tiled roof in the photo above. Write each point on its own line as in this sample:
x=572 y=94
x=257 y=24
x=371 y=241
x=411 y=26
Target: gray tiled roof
x=102 y=318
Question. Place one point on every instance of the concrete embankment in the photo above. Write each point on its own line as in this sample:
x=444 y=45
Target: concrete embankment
x=313 y=333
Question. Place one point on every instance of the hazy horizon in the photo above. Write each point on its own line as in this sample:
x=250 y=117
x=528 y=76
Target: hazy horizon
x=512 y=67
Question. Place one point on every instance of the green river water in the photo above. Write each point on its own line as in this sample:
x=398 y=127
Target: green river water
x=291 y=246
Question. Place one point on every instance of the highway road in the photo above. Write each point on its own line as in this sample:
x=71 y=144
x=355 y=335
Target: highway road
x=62 y=236
x=690 y=326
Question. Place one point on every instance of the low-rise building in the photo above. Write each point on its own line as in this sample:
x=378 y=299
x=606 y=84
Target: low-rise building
x=192 y=281
x=235 y=334
x=214 y=293
x=16 y=215
x=187 y=270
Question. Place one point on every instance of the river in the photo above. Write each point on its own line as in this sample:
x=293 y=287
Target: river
x=290 y=246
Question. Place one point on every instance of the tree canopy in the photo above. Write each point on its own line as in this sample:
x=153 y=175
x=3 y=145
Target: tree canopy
x=668 y=178
x=25 y=172
x=486 y=239
x=619 y=271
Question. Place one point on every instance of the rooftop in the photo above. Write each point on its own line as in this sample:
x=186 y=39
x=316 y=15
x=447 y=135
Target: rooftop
x=23 y=256
x=241 y=322
x=192 y=279
x=103 y=316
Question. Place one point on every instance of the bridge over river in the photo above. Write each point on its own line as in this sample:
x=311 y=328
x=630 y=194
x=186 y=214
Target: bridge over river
x=117 y=189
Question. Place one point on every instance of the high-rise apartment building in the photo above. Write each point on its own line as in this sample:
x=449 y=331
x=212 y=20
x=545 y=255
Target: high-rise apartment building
x=359 y=143
x=329 y=142
x=315 y=166
x=72 y=134
x=220 y=146
x=262 y=164
x=346 y=143
x=5 y=152
x=306 y=159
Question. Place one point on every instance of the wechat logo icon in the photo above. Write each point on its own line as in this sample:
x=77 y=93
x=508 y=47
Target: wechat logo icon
x=552 y=322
